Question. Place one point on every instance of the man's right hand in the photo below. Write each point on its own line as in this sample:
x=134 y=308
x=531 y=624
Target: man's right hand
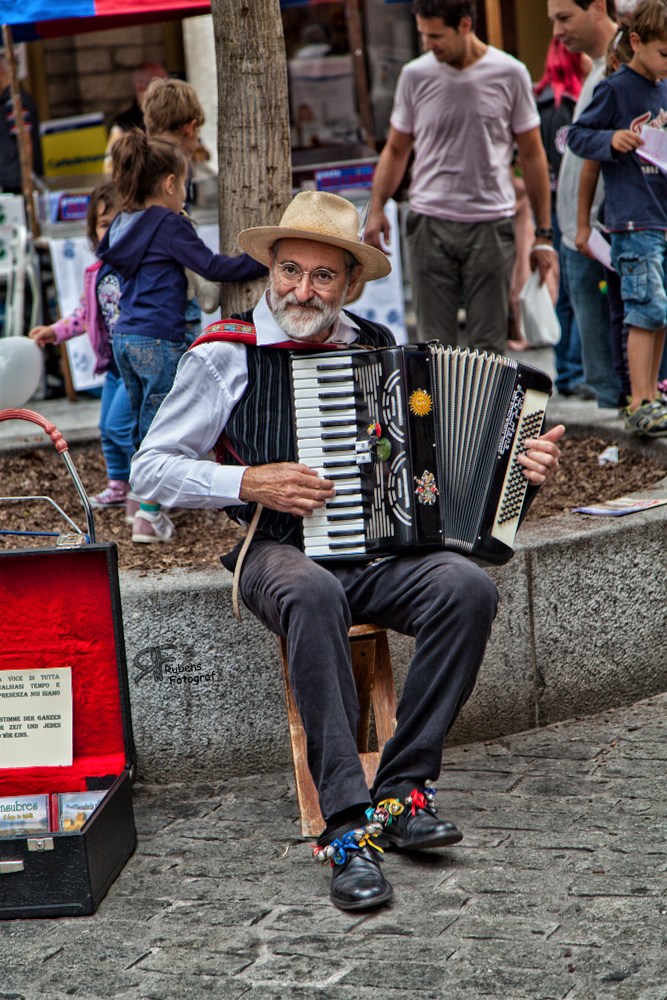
x=377 y=224
x=287 y=487
x=42 y=335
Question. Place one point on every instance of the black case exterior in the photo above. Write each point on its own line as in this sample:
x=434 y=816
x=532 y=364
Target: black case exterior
x=72 y=878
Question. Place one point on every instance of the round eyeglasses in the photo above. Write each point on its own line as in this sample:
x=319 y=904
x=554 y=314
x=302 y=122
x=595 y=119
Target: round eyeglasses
x=321 y=279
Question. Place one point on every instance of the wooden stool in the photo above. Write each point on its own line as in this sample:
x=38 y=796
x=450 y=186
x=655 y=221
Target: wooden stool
x=374 y=678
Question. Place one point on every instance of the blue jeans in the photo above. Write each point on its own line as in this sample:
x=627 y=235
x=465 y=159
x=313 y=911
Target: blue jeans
x=583 y=277
x=148 y=367
x=116 y=426
x=568 y=350
x=639 y=258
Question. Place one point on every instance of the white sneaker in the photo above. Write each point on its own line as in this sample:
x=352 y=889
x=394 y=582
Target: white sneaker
x=152 y=526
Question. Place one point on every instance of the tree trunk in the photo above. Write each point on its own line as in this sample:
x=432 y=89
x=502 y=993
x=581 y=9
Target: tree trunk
x=255 y=174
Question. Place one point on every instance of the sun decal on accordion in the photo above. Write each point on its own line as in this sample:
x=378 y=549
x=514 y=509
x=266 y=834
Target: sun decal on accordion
x=426 y=489
x=420 y=402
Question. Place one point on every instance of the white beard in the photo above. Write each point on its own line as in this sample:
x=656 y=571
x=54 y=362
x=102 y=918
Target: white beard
x=306 y=321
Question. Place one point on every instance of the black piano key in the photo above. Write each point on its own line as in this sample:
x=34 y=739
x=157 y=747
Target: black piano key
x=336 y=395
x=329 y=448
x=347 y=545
x=344 y=517
x=336 y=437
x=327 y=379
x=345 y=534
x=341 y=465
x=333 y=407
x=350 y=422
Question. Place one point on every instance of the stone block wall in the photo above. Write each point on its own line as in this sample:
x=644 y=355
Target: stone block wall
x=93 y=71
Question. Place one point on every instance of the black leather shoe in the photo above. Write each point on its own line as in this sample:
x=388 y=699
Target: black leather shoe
x=358 y=883
x=412 y=824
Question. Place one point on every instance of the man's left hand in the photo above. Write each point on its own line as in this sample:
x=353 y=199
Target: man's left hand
x=541 y=458
x=544 y=260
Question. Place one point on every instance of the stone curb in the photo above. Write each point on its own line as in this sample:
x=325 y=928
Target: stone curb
x=580 y=628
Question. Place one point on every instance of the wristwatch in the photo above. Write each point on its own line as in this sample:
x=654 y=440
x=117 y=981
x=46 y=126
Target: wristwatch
x=544 y=234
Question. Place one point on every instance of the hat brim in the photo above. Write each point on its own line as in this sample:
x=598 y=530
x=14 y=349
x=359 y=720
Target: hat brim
x=258 y=242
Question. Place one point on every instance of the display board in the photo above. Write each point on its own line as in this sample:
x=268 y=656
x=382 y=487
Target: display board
x=70 y=258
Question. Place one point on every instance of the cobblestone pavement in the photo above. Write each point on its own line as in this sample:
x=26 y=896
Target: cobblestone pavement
x=559 y=889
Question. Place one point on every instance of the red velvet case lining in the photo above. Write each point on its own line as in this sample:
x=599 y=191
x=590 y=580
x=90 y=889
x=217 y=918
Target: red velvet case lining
x=55 y=611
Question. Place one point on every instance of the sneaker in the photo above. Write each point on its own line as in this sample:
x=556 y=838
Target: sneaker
x=152 y=526
x=113 y=496
x=659 y=426
x=132 y=505
x=650 y=419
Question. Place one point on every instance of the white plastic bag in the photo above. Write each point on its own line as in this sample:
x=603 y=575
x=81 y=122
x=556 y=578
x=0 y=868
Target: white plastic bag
x=539 y=321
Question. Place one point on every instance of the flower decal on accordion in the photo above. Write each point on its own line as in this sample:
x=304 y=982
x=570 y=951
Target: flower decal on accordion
x=426 y=489
x=420 y=402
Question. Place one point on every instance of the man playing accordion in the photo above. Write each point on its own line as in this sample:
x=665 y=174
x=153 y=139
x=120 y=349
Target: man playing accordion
x=235 y=387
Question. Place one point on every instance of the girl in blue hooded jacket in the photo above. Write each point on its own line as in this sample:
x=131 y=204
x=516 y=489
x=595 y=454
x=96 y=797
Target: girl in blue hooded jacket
x=149 y=245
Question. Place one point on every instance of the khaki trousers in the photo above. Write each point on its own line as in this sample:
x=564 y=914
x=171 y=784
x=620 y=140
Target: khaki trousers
x=461 y=263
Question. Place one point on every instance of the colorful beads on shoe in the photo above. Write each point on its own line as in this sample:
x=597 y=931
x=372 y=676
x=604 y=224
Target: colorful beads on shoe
x=335 y=853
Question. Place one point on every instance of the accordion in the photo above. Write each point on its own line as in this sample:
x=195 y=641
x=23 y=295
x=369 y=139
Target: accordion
x=422 y=444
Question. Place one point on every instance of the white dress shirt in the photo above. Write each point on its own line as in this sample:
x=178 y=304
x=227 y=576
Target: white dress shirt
x=170 y=468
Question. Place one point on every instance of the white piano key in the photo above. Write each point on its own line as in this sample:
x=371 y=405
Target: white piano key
x=307 y=439
x=326 y=550
x=327 y=360
x=329 y=456
x=311 y=373
x=313 y=416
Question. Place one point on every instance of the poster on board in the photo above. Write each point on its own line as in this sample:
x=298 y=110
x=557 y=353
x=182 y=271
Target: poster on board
x=70 y=258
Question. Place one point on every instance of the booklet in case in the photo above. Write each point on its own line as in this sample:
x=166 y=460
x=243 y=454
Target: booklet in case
x=24 y=814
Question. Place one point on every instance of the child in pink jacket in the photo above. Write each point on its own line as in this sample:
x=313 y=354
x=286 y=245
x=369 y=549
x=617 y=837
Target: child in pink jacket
x=96 y=315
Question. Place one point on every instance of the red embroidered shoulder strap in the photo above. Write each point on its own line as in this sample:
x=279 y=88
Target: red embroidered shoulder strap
x=236 y=331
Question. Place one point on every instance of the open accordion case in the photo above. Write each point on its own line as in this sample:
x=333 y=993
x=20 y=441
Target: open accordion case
x=66 y=748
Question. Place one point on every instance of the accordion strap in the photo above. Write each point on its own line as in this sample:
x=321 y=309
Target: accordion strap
x=237 y=331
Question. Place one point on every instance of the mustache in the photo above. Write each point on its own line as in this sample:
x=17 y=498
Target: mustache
x=314 y=302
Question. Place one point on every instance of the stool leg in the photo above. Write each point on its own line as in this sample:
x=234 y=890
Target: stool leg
x=384 y=692
x=312 y=822
x=363 y=667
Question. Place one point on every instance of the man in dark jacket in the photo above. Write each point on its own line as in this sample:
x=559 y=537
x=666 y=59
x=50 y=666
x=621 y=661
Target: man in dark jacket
x=10 y=166
x=237 y=383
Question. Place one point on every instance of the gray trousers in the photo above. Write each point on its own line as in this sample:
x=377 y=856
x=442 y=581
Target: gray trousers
x=454 y=260
x=442 y=599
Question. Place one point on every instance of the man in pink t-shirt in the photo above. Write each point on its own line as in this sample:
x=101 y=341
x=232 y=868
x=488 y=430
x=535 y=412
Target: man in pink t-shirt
x=461 y=107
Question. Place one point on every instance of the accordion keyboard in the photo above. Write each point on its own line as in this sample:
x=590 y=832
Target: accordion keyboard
x=326 y=428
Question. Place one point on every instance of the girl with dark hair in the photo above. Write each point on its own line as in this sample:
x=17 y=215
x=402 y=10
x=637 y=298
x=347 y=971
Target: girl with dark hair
x=150 y=244
x=556 y=95
x=97 y=315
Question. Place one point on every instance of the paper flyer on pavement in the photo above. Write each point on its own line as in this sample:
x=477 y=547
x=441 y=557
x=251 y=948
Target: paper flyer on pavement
x=616 y=508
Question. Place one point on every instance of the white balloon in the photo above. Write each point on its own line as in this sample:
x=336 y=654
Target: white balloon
x=20 y=371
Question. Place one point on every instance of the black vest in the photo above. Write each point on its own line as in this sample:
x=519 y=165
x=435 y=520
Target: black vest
x=260 y=428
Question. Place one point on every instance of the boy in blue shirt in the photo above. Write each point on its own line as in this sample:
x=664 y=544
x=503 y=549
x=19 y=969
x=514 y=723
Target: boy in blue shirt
x=635 y=202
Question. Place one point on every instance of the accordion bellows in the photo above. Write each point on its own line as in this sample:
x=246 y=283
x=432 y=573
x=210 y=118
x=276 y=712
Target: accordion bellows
x=422 y=443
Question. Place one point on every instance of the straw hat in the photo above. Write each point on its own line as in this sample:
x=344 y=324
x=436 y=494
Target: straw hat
x=325 y=218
